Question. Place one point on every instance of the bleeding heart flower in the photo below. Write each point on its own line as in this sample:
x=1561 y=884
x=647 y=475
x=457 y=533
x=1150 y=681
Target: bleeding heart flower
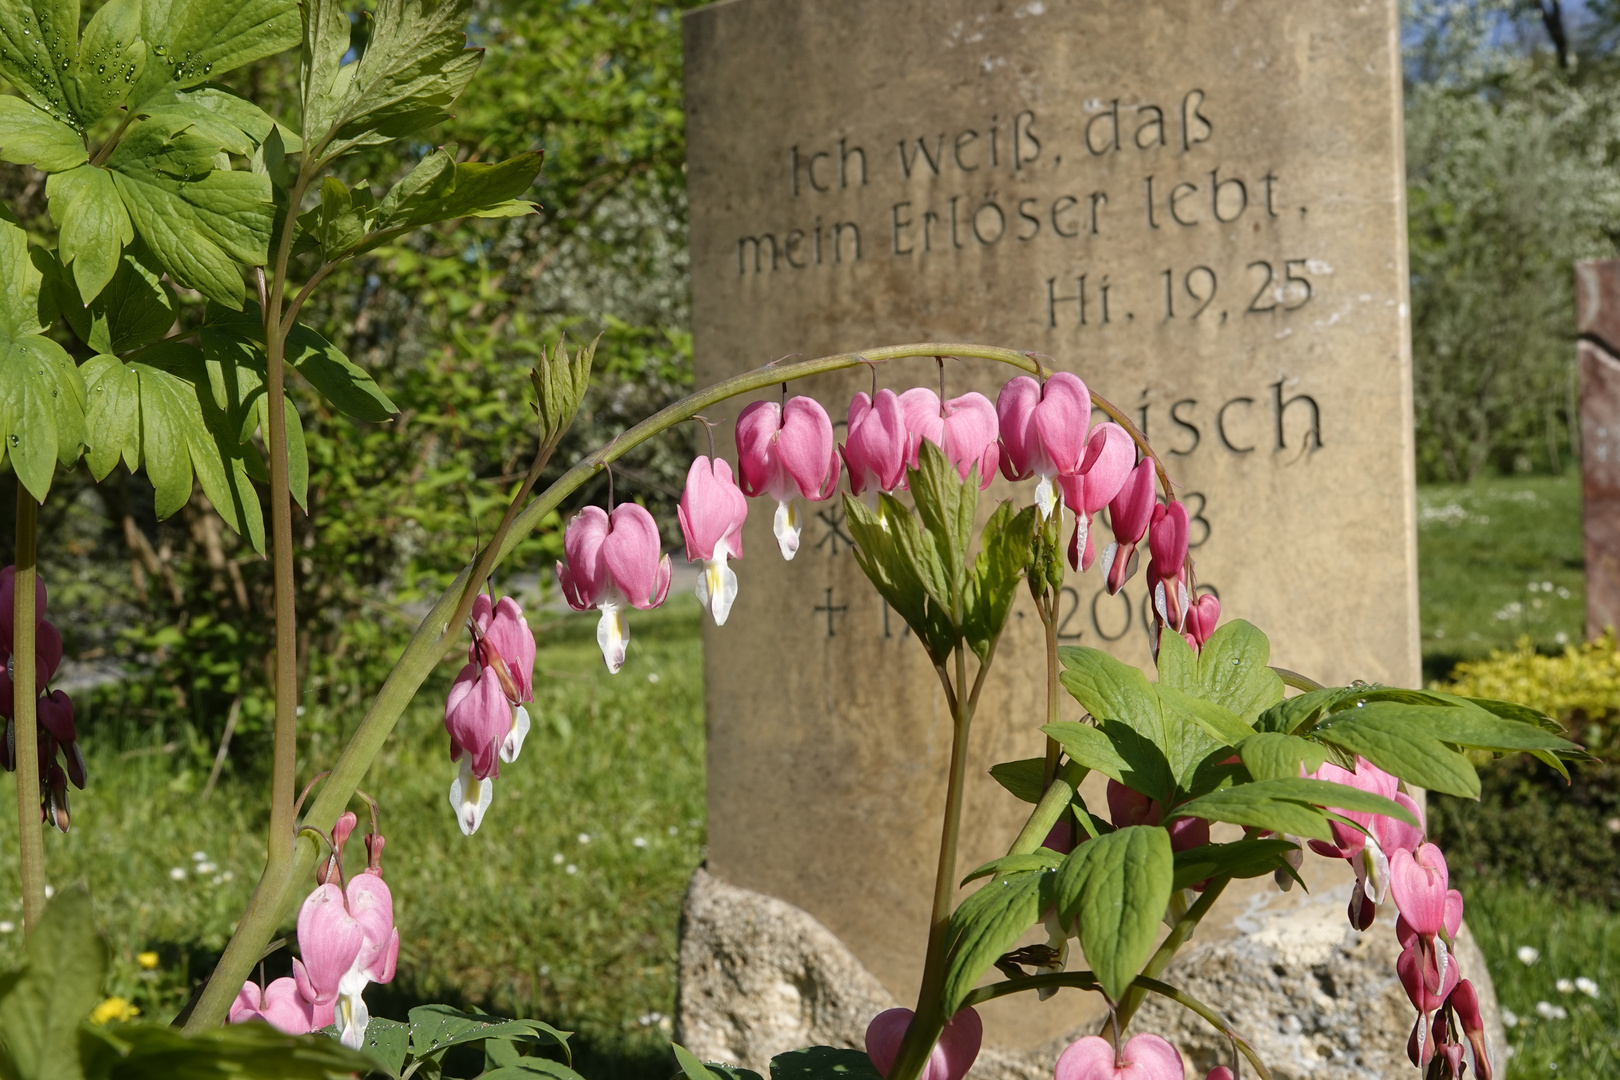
x=504 y=636
x=329 y=939
x=281 y=1006
x=783 y=451
x=712 y=512
x=1129 y=514
x=1127 y=806
x=8 y=605
x=1110 y=456
x=1202 y=615
x=1418 y=881
x=1409 y=968
x=1043 y=431
x=1167 y=570
x=965 y=428
x=1143 y=1057
x=612 y=561
x=1464 y=1002
x=952 y=1056
x=875 y=450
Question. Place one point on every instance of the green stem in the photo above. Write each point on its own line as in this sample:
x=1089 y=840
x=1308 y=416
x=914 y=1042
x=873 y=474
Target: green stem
x=1178 y=936
x=25 y=698
x=275 y=895
x=1048 y=612
x=1049 y=811
x=928 y=1020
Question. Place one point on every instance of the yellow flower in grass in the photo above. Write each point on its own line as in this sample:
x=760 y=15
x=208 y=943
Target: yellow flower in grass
x=147 y=960
x=114 y=1008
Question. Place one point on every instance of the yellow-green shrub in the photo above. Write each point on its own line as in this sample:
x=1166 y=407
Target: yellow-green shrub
x=1524 y=804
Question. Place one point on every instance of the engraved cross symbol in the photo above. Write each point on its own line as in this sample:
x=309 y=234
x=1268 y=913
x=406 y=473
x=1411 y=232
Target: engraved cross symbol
x=831 y=611
x=835 y=534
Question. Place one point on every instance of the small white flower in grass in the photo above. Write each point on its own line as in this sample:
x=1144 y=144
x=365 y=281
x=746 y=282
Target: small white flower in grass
x=557 y=859
x=206 y=868
x=1548 y=1011
x=570 y=869
x=1528 y=954
x=199 y=856
x=1510 y=1018
x=227 y=876
x=50 y=891
x=1586 y=986
x=7 y=927
x=584 y=837
x=640 y=841
x=1565 y=986
x=652 y=676
x=177 y=873
x=674 y=830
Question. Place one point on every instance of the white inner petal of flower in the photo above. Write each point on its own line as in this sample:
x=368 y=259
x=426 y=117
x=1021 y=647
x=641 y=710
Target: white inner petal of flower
x=787 y=528
x=613 y=636
x=512 y=745
x=717 y=585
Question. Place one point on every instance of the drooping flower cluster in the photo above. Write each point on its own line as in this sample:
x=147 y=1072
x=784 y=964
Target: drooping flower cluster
x=484 y=714
x=346 y=940
x=788 y=451
x=53 y=711
x=1393 y=858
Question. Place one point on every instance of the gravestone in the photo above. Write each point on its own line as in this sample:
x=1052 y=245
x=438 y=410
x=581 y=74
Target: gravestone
x=1198 y=208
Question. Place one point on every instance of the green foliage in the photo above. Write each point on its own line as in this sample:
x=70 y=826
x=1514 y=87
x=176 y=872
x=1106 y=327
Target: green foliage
x=418 y=1047
x=920 y=563
x=693 y=1069
x=821 y=1063
x=987 y=924
x=1114 y=890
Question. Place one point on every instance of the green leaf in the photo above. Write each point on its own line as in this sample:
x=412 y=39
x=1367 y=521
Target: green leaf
x=531 y=1067
x=191 y=41
x=823 y=1063
x=1040 y=859
x=947 y=505
x=327 y=34
x=1297 y=712
x=1219 y=722
x=250 y=1051
x=162 y=413
x=342 y=382
x=1022 y=778
x=1231 y=670
x=64 y=964
x=84 y=203
x=1510 y=710
x=39 y=45
x=1249 y=858
x=440 y=189
x=218 y=113
x=388 y=1043
x=1117 y=887
x=414 y=67
x=691 y=1067
x=42 y=395
x=1088 y=746
x=1388 y=736
x=200 y=222
x=893 y=575
x=436 y=1028
x=32 y=136
x=1271 y=755
x=1291 y=805
x=985 y=926
x=111 y=57
x=136 y=308
x=999 y=570
x=1119 y=696
x=1481 y=730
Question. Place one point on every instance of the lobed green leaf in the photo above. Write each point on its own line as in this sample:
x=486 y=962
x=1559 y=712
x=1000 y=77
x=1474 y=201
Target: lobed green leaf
x=1117 y=888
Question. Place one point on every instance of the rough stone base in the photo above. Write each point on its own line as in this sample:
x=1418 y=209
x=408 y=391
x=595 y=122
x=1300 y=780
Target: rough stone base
x=759 y=976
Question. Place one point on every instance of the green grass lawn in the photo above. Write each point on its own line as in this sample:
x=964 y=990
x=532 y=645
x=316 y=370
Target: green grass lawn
x=1498 y=559
x=564 y=906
